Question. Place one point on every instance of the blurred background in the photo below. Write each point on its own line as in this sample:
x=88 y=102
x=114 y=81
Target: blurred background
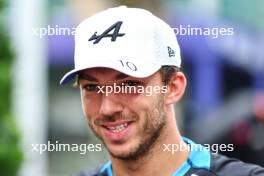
x=224 y=102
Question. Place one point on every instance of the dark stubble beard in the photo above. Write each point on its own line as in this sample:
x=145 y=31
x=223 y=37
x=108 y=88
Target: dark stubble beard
x=152 y=129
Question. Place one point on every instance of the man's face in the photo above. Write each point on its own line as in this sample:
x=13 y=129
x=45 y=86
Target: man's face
x=127 y=123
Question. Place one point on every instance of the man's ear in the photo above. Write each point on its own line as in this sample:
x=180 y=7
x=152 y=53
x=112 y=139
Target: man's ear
x=176 y=88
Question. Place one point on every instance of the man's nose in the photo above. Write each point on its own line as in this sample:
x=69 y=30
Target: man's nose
x=110 y=105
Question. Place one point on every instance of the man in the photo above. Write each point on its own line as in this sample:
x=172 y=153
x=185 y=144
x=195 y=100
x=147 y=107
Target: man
x=127 y=67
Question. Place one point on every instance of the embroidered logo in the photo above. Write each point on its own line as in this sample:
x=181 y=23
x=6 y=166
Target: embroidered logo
x=171 y=52
x=106 y=33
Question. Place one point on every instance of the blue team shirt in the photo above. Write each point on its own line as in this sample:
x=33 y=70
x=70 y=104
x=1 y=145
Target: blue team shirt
x=199 y=163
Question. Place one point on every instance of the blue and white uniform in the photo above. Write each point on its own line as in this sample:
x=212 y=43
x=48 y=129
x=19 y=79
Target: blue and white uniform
x=199 y=163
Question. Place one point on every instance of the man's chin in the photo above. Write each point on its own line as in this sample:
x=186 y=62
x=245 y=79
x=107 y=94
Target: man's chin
x=121 y=152
x=122 y=155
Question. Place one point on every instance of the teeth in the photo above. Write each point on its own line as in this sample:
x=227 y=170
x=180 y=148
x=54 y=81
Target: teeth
x=118 y=128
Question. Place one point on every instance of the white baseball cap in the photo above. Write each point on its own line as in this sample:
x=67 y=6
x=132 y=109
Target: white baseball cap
x=130 y=40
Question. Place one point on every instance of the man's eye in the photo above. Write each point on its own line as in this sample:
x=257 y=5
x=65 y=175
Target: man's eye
x=131 y=83
x=91 y=87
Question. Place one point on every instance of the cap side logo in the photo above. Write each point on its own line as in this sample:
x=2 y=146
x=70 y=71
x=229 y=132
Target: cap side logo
x=171 y=52
x=114 y=35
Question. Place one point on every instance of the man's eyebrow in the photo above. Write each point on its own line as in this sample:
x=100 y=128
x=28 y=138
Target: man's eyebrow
x=121 y=76
x=87 y=77
x=91 y=78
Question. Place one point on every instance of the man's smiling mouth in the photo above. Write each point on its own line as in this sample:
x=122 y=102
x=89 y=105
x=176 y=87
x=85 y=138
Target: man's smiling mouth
x=118 y=128
x=117 y=131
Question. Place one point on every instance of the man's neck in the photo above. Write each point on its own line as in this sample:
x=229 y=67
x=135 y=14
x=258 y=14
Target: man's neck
x=157 y=161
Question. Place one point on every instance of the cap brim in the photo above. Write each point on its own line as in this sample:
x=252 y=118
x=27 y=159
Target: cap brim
x=143 y=70
x=68 y=76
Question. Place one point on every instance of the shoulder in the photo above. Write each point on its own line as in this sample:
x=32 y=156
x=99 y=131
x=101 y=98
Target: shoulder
x=223 y=165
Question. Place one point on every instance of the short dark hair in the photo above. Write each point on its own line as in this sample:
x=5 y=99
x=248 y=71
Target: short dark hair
x=166 y=73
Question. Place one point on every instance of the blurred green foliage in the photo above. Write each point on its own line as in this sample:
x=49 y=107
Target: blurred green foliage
x=10 y=152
